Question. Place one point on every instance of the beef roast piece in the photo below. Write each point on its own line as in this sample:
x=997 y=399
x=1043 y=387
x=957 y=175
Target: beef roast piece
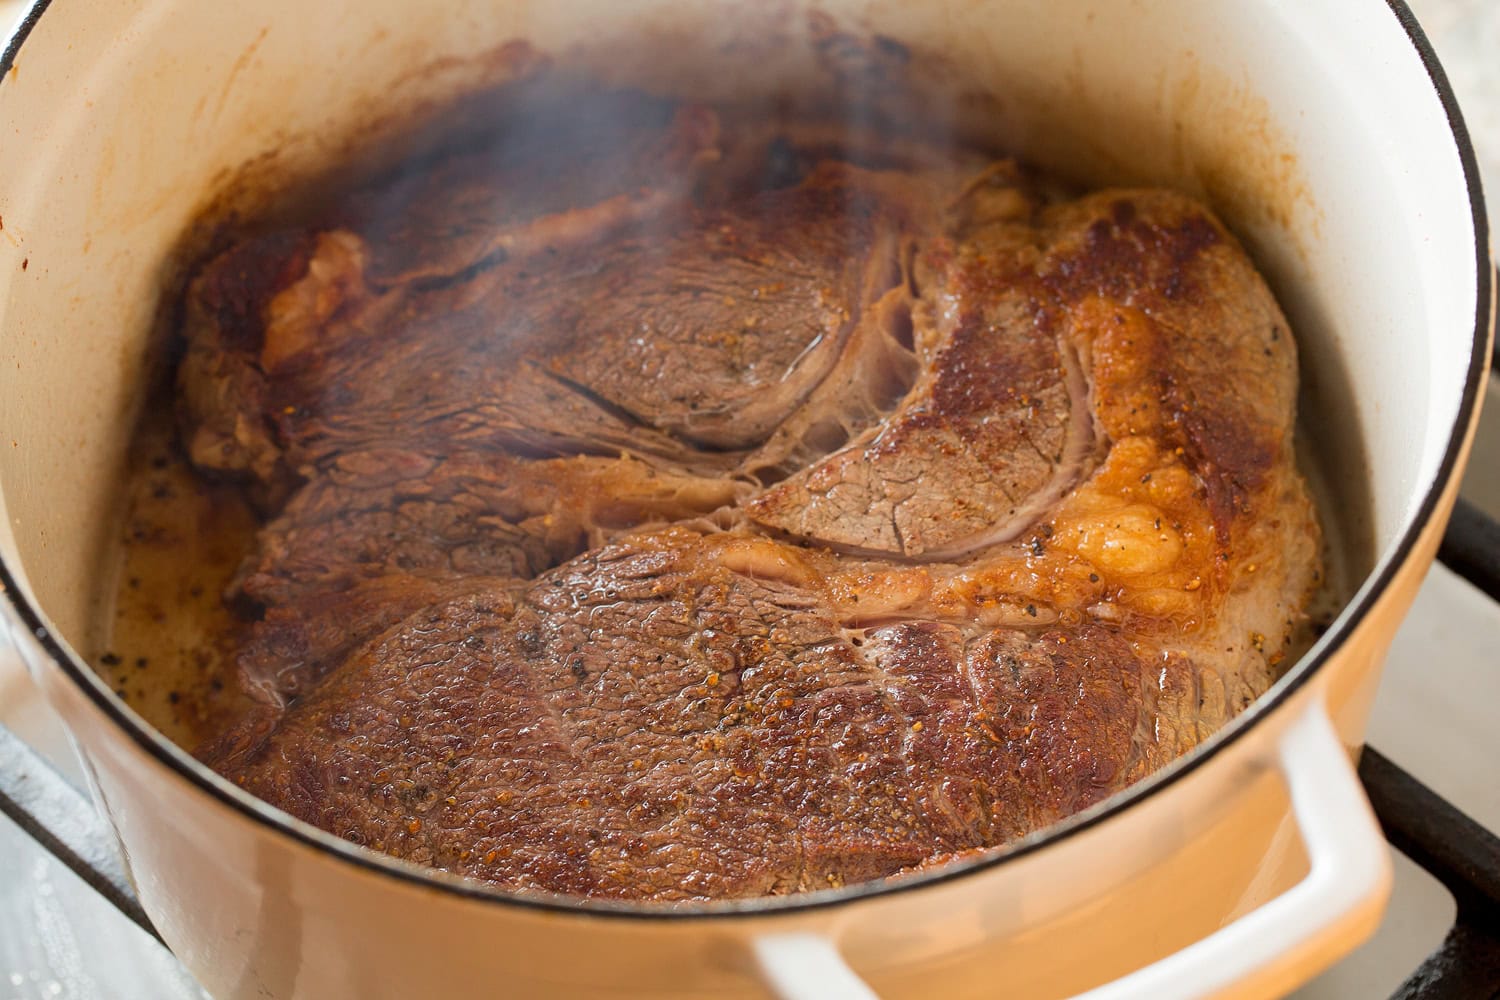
x=373 y=513
x=1008 y=313
x=222 y=392
x=647 y=722
x=662 y=536
x=703 y=331
x=536 y=192
x=294 y=645
x=716 y=334
x=381 y=534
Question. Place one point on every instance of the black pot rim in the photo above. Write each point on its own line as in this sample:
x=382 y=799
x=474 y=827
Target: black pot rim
x=177 y=761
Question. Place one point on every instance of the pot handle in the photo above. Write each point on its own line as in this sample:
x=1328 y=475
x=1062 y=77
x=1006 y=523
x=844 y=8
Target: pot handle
x=1348 y=879
x=61 y=818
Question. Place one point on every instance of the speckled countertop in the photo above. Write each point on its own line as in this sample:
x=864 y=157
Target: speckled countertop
x=1435 y=714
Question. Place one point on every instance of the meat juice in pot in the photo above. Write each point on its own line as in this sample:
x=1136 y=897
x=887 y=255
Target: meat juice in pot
x=644 y=500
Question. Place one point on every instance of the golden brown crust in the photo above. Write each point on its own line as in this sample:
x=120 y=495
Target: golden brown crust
x=946 y=511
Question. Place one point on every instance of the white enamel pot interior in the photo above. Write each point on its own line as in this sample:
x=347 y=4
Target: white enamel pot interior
x=1321 y=130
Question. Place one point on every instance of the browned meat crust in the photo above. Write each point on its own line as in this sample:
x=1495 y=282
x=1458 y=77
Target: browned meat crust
x=667 y=538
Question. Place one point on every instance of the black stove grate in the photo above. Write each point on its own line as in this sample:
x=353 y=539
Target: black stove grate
x=1454 y=849
x=1462 y=855
x=1471 y=548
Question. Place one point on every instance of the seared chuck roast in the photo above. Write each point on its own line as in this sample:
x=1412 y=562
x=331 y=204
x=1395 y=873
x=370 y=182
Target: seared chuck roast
x=637 y=531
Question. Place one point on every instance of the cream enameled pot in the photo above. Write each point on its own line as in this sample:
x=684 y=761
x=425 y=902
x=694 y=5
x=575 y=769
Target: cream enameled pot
x=1322 y=130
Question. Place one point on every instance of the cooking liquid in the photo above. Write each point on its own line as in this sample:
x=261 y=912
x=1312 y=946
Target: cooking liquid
x=170 y=652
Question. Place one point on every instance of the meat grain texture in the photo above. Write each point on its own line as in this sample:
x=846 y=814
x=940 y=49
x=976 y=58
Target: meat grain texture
x=643 y=525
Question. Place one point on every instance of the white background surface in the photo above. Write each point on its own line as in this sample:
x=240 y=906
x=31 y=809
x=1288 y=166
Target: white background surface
x=1436 y=714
